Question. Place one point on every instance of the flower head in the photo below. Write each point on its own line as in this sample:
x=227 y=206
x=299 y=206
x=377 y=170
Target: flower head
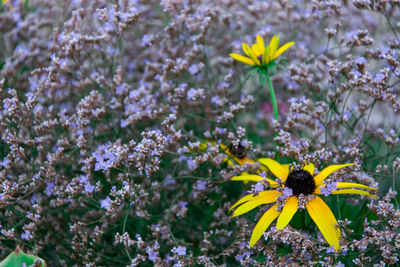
x=303 y=185
x=260 y=55
x=235 y=154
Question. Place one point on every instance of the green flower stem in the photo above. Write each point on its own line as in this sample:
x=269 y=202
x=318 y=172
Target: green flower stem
x=273 y=99
x=275 y=106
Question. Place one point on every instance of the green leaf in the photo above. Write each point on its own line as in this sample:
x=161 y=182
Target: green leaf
x=272 y=69
x=18 y=258
x=280 y=66
x=284 y=60
x=262 y=79
x=251 y=73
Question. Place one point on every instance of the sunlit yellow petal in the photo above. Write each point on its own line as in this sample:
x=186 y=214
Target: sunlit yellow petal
x=243 y=161
x=274 y=45
x=253 y=178
x=231 y=160
x=327 y=171
x=242 y=200
x=203 y=146
x=264 y=198
x=250 y=53
x=256 y=49
x=266 y=56
x=310 y=168
x=275 y=168
x=340 y=185
x=286 y=166
x=282 y=49
x=352 y=191
x=261 y=45
x=242 y=59
x=262 y=225
x=288 y=212
x=325 y=220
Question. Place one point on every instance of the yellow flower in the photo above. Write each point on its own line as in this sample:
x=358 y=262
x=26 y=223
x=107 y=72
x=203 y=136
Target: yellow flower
x=260 y=55
x=234 y=154
x=302 y=182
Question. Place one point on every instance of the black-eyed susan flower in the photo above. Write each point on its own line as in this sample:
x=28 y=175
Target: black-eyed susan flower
x=263 y=58
x=259 y=55
x=235 y=154
x=296 y=187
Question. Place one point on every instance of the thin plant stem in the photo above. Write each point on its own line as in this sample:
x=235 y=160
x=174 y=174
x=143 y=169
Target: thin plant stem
x=273 y=99
x=275 y=107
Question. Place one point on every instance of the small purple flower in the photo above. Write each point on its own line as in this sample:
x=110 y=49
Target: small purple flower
x=330 y=249
x=379 y=77
x=105 y=203
x=361 y=61
x=104 y=161
x=182 y=204
x=201 y=185
x=243 y=256
x=328 y=188
x=180 y=251
x=287 y=192
x=191 y=164
x=193 y=69
x=27 y=235
x=146 y=40
x=49 y=188
x=152 y=254
x=259 y=187
x=89 y=188
x=191 y=94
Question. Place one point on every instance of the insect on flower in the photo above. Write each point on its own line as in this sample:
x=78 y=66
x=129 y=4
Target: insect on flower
x=260 y=55
x=297 y=183
x=235 y=154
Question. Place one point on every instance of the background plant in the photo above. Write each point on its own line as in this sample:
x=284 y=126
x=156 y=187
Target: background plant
x=104 y=104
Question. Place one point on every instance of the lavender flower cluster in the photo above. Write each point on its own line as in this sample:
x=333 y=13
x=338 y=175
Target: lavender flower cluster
x=106 y=107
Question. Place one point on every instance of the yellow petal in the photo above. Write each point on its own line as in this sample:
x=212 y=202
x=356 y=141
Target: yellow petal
x=253 y=178
x=222 y=146
x=250 y=53
x=261 y=45
x=256 y=49
x=286 y=166
x=203 y=146
x=282 y=49
x=352 y=191
x=265 y=198
x=275 y=168
x=231 y=160
x=242 y=59
x=353 y=185
x=327 y=171
x=288 y=212
x=310 y=168
x=325 y=220
x=274 y=44
x=262 y=225
x=266 y=55
x=243 y=161
x=242 y=200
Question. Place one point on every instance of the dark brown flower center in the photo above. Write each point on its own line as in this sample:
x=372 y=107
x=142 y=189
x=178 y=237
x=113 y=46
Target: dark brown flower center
x=237 y=151
x=301 y=182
